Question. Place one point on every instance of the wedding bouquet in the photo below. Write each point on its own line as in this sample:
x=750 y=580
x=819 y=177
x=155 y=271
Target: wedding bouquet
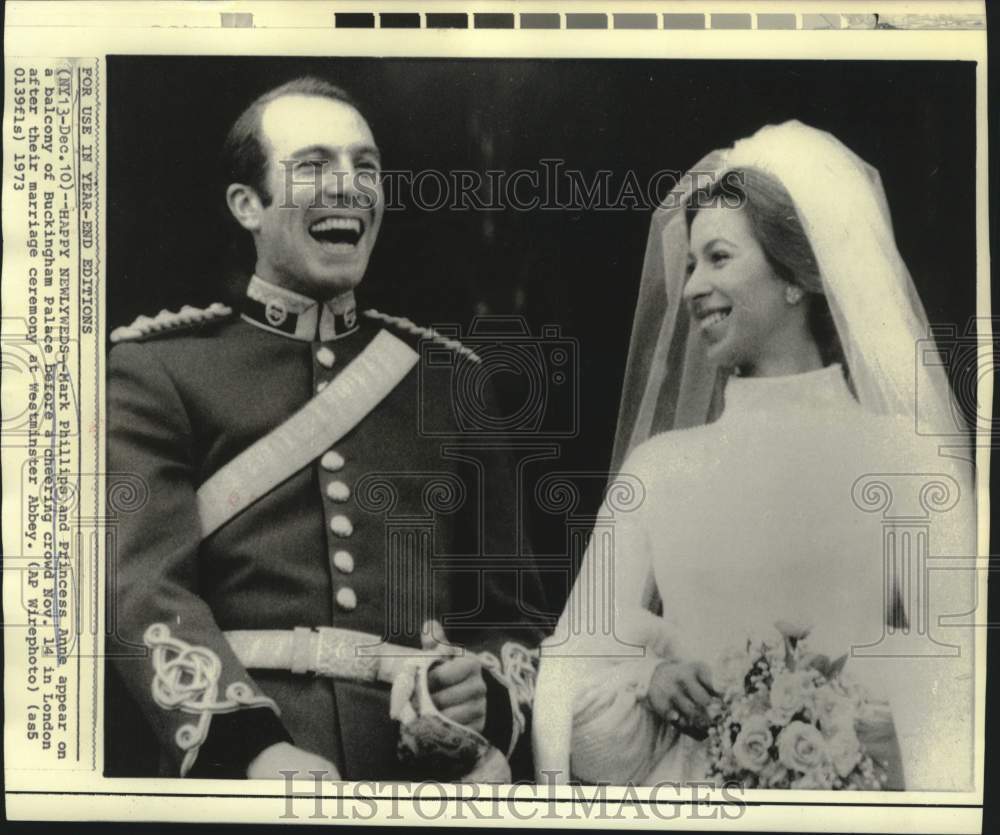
x=786 y=719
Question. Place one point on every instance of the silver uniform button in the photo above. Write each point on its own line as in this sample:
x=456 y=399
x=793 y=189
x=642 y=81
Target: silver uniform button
x=347 y=599
x=343 y=562
x=341 y=526
x=325 y=357
x=332 y=461
x=338 y=491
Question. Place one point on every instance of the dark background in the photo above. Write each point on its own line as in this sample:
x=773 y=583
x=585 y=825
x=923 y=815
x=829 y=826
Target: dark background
x=171 y=241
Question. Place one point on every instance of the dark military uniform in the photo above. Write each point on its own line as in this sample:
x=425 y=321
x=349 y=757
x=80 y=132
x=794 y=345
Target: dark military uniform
x=394 y=525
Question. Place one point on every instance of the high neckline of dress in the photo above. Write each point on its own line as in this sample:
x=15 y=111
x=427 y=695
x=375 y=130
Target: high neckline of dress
x=822 y=388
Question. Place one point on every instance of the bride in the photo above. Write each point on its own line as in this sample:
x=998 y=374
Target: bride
x=776 y=337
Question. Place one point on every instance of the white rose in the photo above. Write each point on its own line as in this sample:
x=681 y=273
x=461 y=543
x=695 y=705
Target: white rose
x=789 y=692
x=834 y=711
x=752 y=748
x=845 y=751
x=801 y=747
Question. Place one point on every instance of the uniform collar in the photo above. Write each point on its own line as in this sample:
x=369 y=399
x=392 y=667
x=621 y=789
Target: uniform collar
x=283 y=311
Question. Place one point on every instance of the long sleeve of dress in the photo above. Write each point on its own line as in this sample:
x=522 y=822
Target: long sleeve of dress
x=592 y=721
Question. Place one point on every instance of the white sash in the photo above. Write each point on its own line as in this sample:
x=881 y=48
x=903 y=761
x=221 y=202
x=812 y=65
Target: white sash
x=307 y=434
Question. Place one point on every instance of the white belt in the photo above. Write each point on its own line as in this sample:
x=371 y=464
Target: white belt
x=362 y=656
x=328 y=651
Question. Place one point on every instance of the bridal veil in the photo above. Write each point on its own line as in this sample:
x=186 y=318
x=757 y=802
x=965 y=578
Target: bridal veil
x=880 y=320
x=669 y=384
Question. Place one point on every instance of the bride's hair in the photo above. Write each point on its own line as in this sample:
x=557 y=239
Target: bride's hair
x=778 y=230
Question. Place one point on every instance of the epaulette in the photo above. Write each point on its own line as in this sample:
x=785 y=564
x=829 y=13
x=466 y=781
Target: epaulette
x=166 y=321
x=408 y=326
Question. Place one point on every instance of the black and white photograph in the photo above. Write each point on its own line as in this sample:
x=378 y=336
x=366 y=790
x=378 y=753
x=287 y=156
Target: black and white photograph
x=700 y=285
x=537 y=417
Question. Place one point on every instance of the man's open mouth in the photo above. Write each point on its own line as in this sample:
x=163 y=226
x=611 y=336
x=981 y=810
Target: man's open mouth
x=338 y=230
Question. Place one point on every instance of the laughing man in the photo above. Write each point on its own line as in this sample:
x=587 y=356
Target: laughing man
x=312 y=582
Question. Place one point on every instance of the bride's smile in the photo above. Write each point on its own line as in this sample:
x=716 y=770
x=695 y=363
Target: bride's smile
x=739 y=300
x=713 y=317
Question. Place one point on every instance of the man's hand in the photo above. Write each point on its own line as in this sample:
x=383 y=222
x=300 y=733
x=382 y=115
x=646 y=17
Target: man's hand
x=456 y=684
x=681 y=692
x=282 y=756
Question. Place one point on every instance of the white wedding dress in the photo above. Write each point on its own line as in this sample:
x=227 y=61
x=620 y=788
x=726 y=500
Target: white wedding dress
x=773 y=512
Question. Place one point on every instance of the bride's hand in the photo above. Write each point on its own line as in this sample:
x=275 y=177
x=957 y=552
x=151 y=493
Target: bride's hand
x=681 y=692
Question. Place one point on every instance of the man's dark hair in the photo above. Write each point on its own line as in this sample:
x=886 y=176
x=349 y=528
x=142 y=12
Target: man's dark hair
x=244 y=157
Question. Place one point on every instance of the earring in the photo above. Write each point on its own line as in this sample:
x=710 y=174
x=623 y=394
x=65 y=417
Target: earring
x=793 y=294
